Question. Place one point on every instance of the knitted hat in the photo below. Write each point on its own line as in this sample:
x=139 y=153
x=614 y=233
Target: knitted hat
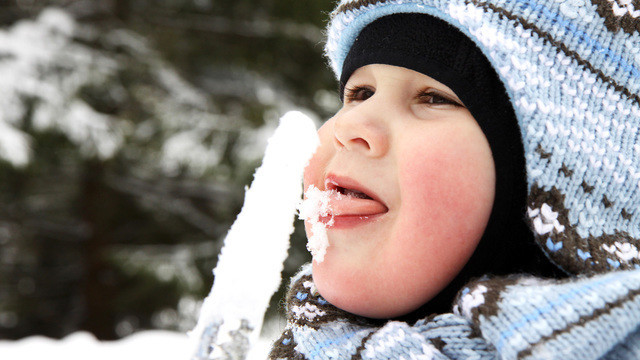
x=572 y=72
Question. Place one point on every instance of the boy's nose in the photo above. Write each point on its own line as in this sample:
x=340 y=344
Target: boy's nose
x=360 y=132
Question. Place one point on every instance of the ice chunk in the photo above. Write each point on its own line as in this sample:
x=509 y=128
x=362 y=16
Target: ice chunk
x=251 y=261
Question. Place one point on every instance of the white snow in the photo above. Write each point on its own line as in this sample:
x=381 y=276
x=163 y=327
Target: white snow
x=45 y=71
x=314 y=206
x=14 y=145
x=155 y=344
x=251 y=261
x=41 y=63
x=189 y=147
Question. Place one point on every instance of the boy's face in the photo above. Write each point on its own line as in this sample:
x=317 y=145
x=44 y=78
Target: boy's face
x=428 y=178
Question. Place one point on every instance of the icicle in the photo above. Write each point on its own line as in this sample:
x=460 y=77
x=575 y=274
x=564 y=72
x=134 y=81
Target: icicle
x=251 y=261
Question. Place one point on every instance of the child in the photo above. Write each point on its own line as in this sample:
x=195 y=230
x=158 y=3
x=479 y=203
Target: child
x=430 y=158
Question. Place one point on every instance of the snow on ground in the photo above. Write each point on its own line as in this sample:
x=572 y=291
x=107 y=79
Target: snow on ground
x=153 y=344
x=157 y=345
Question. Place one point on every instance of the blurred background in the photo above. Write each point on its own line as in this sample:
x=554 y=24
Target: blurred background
x=128 y=130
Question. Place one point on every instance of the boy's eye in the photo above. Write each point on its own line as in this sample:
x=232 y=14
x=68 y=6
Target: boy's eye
x=436 y=98
x=357 y=93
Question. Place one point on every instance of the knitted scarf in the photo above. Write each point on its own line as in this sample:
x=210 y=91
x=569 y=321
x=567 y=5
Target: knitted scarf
x=587 y=318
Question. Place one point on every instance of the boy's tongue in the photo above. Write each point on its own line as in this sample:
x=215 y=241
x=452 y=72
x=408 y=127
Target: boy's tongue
x=353 y=203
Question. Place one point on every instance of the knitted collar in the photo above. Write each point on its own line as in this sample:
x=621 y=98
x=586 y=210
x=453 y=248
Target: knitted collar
x=513 y=318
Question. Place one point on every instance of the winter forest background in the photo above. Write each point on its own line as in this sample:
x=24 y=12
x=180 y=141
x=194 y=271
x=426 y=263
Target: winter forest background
x=128 y=131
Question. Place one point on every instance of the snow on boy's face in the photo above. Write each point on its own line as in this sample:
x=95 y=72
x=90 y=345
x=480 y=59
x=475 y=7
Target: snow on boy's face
x=413 y=180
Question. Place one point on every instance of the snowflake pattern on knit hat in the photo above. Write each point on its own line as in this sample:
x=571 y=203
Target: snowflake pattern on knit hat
x=572 y=72
x=620 y=14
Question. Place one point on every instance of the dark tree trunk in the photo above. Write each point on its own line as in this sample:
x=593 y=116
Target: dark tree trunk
x=96 y=204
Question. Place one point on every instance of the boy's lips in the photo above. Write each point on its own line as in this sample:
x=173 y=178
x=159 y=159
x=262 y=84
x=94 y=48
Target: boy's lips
x=351 y=203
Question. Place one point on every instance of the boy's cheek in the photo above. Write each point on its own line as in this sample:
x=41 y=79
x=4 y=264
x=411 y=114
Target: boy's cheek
x=314 y=172
x=311 y=173
x=448 y=190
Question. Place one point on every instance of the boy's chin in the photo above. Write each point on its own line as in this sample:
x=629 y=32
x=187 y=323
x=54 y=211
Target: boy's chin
x=375 y=310
x=358 y=300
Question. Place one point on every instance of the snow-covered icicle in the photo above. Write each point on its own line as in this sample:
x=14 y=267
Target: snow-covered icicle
x=250 y=263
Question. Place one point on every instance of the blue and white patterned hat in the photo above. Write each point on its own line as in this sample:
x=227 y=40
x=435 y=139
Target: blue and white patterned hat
x=572 y=72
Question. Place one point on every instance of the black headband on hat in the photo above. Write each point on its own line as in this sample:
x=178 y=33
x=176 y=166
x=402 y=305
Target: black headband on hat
x=422 y=43
x=432 y=47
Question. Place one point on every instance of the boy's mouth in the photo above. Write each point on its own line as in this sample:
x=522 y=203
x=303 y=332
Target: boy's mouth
x=349 y=199
x=353 y=193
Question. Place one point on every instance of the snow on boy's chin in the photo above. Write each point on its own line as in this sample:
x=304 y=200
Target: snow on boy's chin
x=316 y=212
x=337 y=208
